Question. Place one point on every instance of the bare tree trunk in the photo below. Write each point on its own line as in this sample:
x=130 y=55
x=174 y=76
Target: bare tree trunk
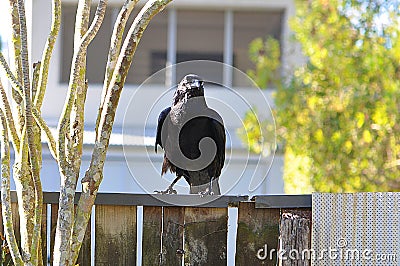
x=25 y=131
x=105 y=118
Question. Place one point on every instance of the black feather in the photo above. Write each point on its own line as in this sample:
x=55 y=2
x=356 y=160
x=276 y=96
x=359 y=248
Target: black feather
x=182 y=126
x=161 y=119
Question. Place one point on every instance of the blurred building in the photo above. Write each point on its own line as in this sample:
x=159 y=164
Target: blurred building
x=187 y=30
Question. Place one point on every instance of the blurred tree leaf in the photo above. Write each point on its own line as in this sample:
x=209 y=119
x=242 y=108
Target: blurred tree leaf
x=266 y=57
x=339 y=114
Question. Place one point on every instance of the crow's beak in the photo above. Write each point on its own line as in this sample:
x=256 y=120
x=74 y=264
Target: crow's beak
x=195 y=84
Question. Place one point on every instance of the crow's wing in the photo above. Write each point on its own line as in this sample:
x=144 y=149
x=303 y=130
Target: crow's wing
x=218 y=134
x=161 y=119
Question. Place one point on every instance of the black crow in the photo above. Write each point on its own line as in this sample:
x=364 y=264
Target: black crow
x=193 y=138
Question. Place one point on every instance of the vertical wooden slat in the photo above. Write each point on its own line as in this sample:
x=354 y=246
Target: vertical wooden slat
x=172 y=238
x=14 y=209
x=54 y=213
x=84 y=258
x=15 y=218
x=43 y=251
x=115 y=228
x=151 y=243
x=205 y=236
x=258 y=232
x=16 y=221
x=295 y=227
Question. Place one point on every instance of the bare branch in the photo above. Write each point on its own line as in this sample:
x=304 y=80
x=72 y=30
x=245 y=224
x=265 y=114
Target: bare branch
x=13 y=80
x=94 y=175
x=36 y=129
x=115 y=46
x=16 y=40
x=28 y=125
x=42 y=124
x=24 y=44
x=5 y=193
x=76 y=68
x=9 y=117
x=51 y=39
x=51 y=142
x=70 y=143
x=35 y=79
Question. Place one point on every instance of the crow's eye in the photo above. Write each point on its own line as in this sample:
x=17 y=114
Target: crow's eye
x=195 y=84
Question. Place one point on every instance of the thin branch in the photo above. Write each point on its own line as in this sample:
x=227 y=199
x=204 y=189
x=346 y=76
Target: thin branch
x=33 y=155
x=51 y=142
x=36 y=115
x=51 y=39
x=35 y=80
x=70 y=169
x=5 y=193
x=13 y=80
x=94 y=175
x=76 y=68
x=16 y=41
x=115 y=47
x=82 y=21
x=24 y=44
x=37 y=140
x=29 y=132
x=9 y=118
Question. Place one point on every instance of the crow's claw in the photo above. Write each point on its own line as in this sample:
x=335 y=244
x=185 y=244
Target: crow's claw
x=170 y=190
x=206 y=192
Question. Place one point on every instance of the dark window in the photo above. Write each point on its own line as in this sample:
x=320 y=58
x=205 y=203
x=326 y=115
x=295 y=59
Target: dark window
x=249 y=25
x=154 y=38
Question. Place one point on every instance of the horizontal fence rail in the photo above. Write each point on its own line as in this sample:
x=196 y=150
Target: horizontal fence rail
x=189 y=229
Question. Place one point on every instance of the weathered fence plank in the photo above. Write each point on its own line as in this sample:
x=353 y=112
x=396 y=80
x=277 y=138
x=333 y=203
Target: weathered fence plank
x=84 y=258
x=176 y=231
x=295 y=233
x=54 y=213
x=205 y=236
x=257 y=235
x=115 y=228
x=15 y=214
x=16 y=225
x=43 y=233
x=172 y=236
x=151 y=241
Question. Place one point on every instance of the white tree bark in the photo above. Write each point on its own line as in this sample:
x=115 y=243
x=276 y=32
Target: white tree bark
x=25 y=129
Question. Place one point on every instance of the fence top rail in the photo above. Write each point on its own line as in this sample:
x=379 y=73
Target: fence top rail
x=184 y=200
x=283 y=201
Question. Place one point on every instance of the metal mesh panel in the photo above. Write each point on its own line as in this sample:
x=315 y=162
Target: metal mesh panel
x=355 y=229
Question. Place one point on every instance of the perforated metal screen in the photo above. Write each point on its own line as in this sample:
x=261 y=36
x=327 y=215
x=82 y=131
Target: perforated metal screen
x=355 y=229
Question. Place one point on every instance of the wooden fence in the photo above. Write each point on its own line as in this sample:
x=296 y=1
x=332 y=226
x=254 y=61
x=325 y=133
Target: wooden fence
x=186 y=228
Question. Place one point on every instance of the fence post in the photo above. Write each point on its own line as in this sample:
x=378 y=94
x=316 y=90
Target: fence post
x=172 y=236
x=206 y=236
x=151 y=241
x=257 y=235
x=296 y=237
x=115 y=228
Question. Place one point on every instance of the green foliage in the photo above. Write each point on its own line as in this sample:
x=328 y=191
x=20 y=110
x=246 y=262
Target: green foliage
x=339 y=115
x=266 y=57
x=341 y=109
x=259 y=136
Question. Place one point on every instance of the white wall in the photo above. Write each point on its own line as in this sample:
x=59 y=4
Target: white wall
x=231 y=106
